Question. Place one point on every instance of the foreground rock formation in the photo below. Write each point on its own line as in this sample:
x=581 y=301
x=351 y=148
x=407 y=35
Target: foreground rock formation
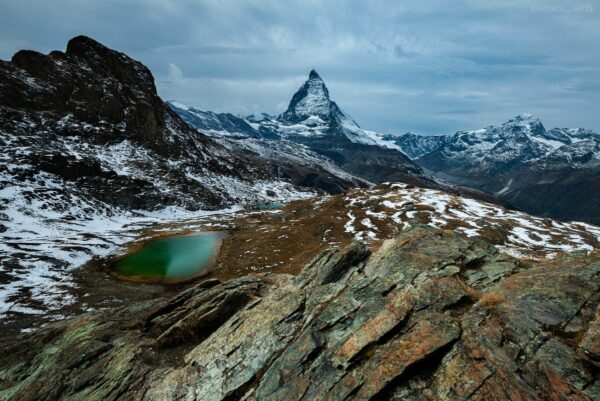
x=429 y=316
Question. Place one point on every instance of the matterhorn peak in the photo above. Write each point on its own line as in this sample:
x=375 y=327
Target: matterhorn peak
x=311 y=100
x=314 y=75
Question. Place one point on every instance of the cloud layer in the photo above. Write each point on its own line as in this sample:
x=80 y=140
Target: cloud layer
x=429 y=67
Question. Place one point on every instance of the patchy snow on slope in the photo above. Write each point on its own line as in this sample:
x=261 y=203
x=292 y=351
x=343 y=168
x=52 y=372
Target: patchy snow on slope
x=50 y=226
x=550 y=143
x=349 y=226
x=401 y=206
x=358 y=135
x=284 y=152
x=43 y=241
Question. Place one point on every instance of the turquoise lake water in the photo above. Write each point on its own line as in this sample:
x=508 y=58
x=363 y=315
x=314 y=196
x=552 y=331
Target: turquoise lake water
x=176 y=257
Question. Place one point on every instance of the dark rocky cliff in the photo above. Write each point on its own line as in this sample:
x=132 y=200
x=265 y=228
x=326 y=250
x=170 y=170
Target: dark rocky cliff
x=91 y=117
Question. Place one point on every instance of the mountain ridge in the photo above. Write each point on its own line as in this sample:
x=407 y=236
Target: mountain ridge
x=314 y=120
x=550 y=173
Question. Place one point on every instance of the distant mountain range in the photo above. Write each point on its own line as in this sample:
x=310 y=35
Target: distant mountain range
x=554 y=173
x=84 y=134
x=312 y=119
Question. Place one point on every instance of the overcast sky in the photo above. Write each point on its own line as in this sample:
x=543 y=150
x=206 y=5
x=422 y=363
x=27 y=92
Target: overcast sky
x=424 y=66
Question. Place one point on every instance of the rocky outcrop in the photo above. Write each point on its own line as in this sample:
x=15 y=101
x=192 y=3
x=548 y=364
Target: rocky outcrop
x=428 y=316
x=91 y=84
x=91 y=117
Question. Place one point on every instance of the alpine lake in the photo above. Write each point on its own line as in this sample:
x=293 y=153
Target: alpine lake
x=171 y=259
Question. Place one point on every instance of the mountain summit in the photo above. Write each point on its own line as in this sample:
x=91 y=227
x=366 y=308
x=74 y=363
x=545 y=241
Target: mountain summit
x=524 y=124
x=313 y=74
x=312 y=101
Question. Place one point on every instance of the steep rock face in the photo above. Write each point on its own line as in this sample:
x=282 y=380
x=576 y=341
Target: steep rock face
x=430 y=315
x=312 y=100
x=551 y=173
x=89 y=81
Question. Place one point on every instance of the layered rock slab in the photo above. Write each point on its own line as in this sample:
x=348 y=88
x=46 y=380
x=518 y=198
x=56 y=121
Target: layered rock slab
x=410 y=321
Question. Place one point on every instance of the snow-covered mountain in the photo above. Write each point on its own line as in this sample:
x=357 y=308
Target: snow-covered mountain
x=311 y=113
x=553 y=172
x=315 y=121
x=414 y=145
x=312 y=100
x=522 y=139
x=288 y=160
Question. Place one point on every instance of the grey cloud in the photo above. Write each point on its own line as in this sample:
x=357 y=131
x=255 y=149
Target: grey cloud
x=431 y=67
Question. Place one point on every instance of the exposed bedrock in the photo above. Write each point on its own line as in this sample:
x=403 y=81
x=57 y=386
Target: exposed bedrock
x=428 y=316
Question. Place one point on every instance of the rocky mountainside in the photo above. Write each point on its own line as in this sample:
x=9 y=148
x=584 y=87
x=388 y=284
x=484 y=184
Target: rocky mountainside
x=429 y=316
x=313 y=120
x=87 y=146
x=67 y=270
x=291 y=161
x=551 y=173
x=91 y=117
